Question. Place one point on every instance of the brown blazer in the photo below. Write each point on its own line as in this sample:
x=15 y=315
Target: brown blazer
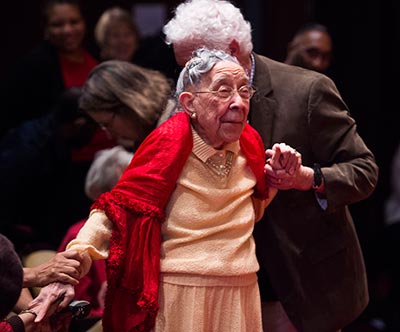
x=313 y=257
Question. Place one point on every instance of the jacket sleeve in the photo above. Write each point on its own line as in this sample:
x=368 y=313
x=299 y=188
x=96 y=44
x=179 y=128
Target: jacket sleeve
x=348 y=166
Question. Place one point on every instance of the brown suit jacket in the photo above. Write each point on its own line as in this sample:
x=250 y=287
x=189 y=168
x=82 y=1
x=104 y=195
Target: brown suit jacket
x=312 y=256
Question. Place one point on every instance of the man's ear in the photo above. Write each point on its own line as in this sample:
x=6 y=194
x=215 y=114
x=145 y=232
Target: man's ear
x=186 y=101
x=234 y=48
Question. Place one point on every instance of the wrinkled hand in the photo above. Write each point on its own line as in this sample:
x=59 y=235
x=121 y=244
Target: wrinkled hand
x=284 y=170
x=283 y=157
x=53 y=297
x=63 y=267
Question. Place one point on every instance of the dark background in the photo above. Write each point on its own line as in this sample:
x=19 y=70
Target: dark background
x=365 y=67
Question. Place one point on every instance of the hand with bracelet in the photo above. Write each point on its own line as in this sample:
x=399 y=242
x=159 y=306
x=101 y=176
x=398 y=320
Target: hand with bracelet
x=64 y=267
x=25 y=320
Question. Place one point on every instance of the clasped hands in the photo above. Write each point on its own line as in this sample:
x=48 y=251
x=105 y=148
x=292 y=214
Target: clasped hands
x=58 y=276
x=284 y=169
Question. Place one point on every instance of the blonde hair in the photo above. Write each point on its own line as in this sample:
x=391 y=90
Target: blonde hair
x=108 y=19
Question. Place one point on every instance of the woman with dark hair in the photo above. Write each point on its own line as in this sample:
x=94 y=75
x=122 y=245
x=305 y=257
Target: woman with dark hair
x=59 y=62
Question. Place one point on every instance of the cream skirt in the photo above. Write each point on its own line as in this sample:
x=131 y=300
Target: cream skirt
x=208 y=304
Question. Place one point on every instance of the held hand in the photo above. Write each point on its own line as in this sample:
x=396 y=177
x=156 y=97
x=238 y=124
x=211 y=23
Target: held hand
x=284 y=170
x=283 y=157
x=63 y=267
x=53 y=297
x=279 y=179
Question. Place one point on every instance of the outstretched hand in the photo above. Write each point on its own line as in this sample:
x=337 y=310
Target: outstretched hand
x=52 y=298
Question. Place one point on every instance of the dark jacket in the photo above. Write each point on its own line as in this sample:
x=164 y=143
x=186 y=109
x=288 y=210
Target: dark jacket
x=312 y=257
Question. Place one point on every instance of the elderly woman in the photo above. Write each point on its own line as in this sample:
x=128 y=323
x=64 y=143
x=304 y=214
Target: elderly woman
x=177 y=227
x=126 y=100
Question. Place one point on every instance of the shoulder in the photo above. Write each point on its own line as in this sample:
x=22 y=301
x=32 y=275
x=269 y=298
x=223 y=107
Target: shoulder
x=279 y=71
x=287 y=80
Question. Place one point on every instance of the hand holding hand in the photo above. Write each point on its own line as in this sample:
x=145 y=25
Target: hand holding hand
x=63 y=267
x=283 y=157
x=284 y=170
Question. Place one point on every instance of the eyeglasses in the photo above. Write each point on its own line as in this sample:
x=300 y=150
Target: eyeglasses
x=226 y=93
x=105 y=125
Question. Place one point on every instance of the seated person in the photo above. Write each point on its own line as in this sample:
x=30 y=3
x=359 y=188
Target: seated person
x=62 y=267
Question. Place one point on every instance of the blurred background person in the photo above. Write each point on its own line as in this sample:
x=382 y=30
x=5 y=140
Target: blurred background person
x=59 y=62
x=32 y=157
x=311 y=48
x=126 y=100
x=116 y=35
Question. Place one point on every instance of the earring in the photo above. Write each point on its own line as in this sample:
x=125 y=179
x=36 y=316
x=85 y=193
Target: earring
x=193 y=115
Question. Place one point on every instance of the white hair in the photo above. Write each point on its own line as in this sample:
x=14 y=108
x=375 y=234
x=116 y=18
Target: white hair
x=105 y=170
x=212 y=23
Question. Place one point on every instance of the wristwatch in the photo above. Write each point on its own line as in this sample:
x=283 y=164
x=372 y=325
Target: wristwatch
x=317 y=176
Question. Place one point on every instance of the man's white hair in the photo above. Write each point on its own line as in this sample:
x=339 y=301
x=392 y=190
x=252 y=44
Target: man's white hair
x=213 y=24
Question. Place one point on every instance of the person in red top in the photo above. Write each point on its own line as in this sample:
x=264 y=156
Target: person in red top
x=58 y=63
x=37 y=81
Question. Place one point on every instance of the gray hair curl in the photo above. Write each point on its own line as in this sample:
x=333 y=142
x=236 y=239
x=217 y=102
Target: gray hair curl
x=202 y=61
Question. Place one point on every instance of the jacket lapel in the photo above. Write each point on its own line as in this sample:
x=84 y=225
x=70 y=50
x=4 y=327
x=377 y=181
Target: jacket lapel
x=263 y=103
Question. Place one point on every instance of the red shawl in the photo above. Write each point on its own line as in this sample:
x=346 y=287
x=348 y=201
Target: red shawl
x=136 y=208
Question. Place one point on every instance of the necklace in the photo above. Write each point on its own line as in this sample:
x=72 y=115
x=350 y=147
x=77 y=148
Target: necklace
x=253 y=69
x=220 y=169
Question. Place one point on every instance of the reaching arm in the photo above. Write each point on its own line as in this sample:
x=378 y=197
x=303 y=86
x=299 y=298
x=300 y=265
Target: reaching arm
x=63 y=267
x=91 y=243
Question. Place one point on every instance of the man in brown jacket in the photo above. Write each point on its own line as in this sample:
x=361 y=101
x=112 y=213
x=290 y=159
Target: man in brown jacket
x=312 y=274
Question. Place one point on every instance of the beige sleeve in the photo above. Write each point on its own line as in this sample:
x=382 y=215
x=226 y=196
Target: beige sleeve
x=260 y=205
x=93 y=239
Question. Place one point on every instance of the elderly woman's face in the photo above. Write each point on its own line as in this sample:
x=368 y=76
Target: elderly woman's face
x=220 y=120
